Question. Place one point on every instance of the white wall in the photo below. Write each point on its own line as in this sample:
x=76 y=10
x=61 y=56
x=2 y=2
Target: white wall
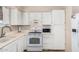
x=68 y=28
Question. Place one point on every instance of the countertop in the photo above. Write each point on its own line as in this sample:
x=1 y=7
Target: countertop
x=12 y=36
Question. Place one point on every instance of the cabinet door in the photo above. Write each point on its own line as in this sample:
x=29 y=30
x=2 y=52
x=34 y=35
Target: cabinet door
x=6 y=16
x=12 y=47
x=48 y=41
x=46 y=18
x=14 y=16
x=35 y=16
x=25 y=18
x=24 y=43
x=48 y=44
x=20 y=45
x=19 y=18
x=58 y=16
x=59 y=37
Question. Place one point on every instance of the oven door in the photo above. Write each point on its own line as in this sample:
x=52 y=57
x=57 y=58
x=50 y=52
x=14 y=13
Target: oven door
x=34 y=41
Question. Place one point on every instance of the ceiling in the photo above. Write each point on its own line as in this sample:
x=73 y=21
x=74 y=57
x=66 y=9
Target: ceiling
x=37 y=8
x=42 y=8
x=75 y=9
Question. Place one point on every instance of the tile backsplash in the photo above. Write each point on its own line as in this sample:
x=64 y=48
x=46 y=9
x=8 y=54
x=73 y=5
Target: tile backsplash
x=23 y=27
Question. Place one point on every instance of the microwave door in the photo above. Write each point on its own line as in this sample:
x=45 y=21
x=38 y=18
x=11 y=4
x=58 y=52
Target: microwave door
x=46 y=30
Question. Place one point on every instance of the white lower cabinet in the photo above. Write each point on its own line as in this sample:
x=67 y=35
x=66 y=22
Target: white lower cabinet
x=48 y=41
x=59 y=37
x=48 y=44
x=16 y=46
x=12 y=47
x=55 y=40
x=21 y=44
x=24 y=42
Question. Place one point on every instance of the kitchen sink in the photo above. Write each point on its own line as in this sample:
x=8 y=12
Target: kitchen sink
x=4 y=39
x=7 y=38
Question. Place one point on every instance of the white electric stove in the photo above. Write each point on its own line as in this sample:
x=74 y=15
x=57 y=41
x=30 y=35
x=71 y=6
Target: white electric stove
x=35 y=41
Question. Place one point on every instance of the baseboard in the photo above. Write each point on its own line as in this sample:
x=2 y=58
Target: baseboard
x=61 y=50
x=47 y=50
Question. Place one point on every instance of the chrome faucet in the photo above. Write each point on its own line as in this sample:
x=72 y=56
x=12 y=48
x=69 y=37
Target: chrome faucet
x=2 y=30
x=19 y=28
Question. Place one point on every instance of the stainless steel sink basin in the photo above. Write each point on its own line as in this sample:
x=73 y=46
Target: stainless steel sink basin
x=7 y=38
x=4 y=39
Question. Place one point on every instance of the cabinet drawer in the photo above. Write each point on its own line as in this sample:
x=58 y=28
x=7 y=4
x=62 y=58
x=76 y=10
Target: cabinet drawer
x=48 y=46
x=47 y=35
x=48 y=40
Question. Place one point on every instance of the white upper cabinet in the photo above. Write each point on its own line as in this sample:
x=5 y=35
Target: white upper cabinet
x=59 y=37
x=6 y=16
x=58 y=16
x=14 y=16
x=35 y=16
x=46 y=18
x=25 y=18
x=20 y=45
x=19 y=18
